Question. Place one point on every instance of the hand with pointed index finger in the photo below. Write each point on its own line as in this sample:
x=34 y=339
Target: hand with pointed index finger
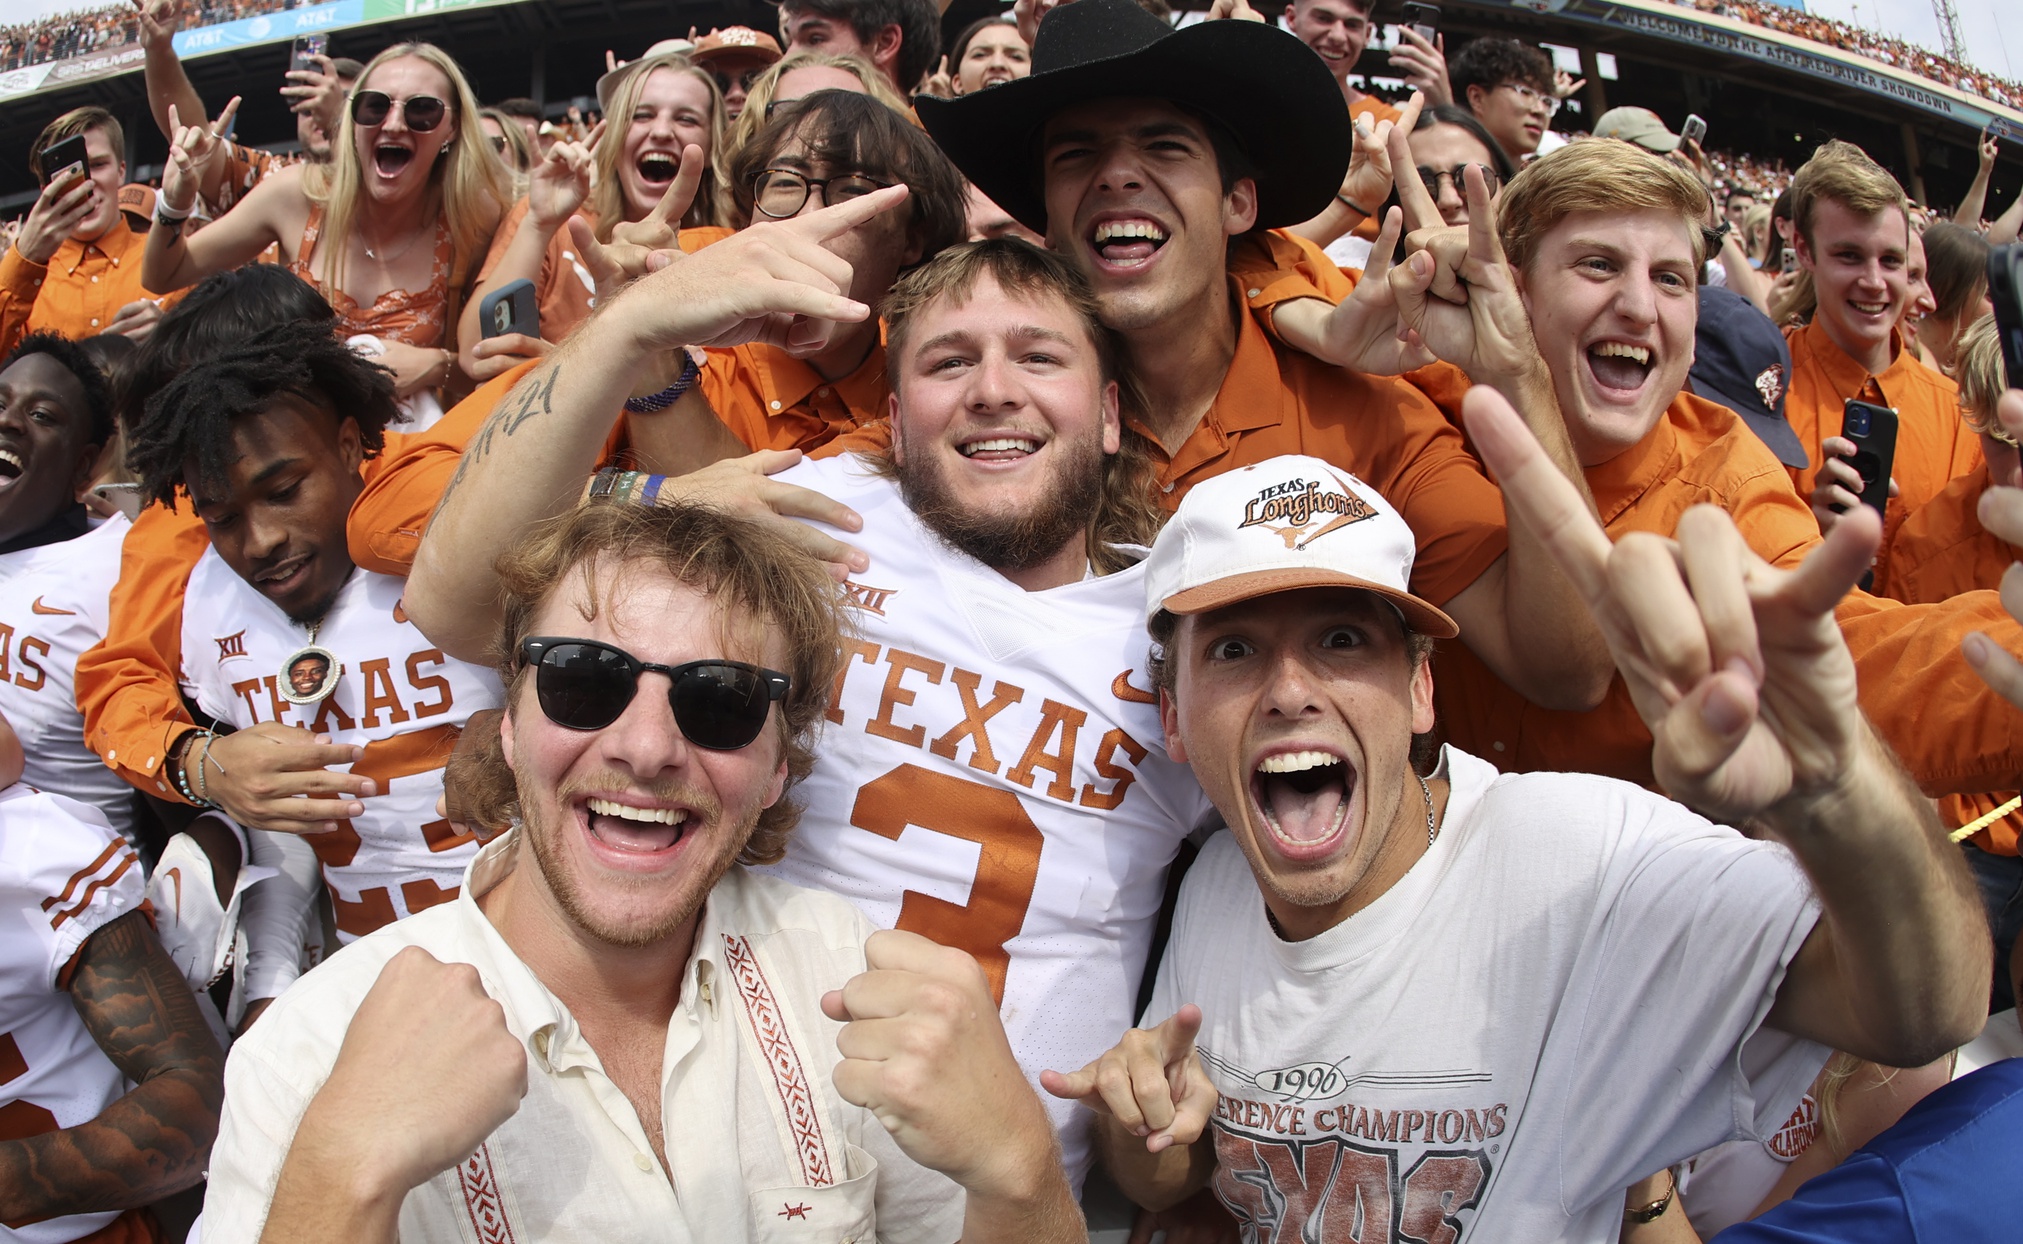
x=560 y=183
x=1421 y=212
x=1362 y=331
x=1151 y=1082
x=1738 y=667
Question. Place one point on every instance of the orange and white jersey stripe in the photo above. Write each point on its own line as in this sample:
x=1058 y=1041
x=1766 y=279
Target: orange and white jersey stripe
x=64 y=875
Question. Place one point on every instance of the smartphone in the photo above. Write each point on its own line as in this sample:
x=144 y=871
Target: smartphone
x=1424 y=19
x=61 y=155
x=1873 y=429
x=512 y=308
x=1790 y=258
x=1694 y=130
x=305 y=47
x=2005 y=289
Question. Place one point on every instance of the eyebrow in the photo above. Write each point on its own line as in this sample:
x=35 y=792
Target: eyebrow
x=277 y=467
x=1616 y=252
x=1027 y=332
x=1151 y=129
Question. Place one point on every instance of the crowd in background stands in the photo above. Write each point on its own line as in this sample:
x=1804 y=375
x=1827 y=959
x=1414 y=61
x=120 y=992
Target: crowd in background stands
x=1852 y=38
x=63 y=35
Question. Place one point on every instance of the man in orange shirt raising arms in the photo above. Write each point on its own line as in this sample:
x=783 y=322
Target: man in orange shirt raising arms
x=1156 y=150
x=1853 y=235
x=74 y=269
x=1606 y=243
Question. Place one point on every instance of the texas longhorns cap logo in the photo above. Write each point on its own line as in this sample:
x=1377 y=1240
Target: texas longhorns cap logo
x=1287 y=509
x=1770 y=384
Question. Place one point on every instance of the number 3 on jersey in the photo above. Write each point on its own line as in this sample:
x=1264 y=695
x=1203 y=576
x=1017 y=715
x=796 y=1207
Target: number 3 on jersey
x=1006 y=869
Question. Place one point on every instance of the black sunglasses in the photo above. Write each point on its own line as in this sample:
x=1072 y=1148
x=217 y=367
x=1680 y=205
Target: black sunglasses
x=585 y=685
x=421 y=112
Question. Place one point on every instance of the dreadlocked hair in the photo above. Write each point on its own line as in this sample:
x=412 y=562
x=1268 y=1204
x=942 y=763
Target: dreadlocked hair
x=76 y=360
x=190 y=419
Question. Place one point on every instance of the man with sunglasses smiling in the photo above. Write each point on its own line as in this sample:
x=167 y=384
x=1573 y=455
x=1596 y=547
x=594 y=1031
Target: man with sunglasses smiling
x=617 y=1031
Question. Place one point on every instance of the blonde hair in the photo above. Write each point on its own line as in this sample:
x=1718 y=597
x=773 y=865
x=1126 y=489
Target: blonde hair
x=1596 y=174
x=518 y=157
x=1845 y=174
x=469 y=185
x=1796 y=303
x=1979 y=362
x=760 y=97
x=607 y=195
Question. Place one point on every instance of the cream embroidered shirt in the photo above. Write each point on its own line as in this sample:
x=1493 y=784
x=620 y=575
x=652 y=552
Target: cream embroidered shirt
x=760 y=1145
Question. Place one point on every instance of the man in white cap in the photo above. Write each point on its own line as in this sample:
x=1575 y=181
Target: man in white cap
x=1426 y=1001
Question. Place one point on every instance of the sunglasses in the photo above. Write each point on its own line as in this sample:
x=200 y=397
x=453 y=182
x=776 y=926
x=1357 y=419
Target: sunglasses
x=585 y=685
x=421 y=112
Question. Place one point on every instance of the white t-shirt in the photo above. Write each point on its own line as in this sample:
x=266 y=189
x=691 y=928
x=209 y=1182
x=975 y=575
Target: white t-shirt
x=64 y=875
x=993 y=776
x=760 y=1146
x=53 y=607
x=1563 y=995
x=398 y=696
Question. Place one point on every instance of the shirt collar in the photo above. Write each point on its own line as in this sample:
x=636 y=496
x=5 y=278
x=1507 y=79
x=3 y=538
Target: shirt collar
x=1848 y=378
x=787 y=382
x=1622 y=481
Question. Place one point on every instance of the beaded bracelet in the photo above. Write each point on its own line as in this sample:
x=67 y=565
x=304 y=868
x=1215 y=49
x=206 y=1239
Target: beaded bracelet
x=667 y=397
x=179 y=769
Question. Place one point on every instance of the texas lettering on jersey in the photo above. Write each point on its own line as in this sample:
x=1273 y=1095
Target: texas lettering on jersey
x=1305 y=1162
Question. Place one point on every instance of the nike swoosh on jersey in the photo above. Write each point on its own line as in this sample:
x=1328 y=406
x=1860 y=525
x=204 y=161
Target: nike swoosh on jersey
x=1121 y=687
x=38 y=607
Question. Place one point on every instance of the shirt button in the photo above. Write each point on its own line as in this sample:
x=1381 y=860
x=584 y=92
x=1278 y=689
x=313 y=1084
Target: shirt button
x=94 y=280
x=1254 y=293
x=151 y=762
x=643 y=1162
x=161 y=788
x=823 y=391
x=1497 y=745
x=112 y=756
x=1166 y=488
x=775 y=405
x=94 y=323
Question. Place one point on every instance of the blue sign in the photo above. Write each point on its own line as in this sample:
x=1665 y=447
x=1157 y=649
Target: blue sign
x=268 y=28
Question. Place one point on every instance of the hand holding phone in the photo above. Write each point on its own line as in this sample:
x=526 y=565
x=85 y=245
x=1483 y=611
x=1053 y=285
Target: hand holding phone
x=302 y=56
x=511 y=308
x=1422 y=19
x=66 y=154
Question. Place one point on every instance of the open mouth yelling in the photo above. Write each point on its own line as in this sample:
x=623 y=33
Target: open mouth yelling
x=11 y=468
x=390 y=159
x=1128 y=242
x=1303 y=800
x=632 y=833
x=657 y=168
x=1619 y=368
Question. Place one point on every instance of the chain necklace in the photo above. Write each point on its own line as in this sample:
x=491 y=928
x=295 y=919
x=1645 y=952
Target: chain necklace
x=310 y=673
x=1432 y=830
x=376 y=257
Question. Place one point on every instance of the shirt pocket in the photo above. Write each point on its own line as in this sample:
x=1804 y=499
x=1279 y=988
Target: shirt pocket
x=840 y=1213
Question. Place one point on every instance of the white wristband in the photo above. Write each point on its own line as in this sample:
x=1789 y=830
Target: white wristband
x=169 y=215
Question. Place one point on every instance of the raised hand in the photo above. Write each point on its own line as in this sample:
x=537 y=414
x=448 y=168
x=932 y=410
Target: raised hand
x=159 y=19
x=1458 y=296
x=1362 y=331
x=1990 y=147
x=318 y=92
x=1422 y=62
x=272 y=776
x=1029 y=13
x=136 y=320
x=190 y=152
x=428 y=1070
x=939 y=83
x=923 y=1050
x=1151 y=1082
x=1238 y=10
x=1371 y=167
x=59 y=209
x=625 y=258
x=1738 y=667
x=1565 y=84
x=561 y=181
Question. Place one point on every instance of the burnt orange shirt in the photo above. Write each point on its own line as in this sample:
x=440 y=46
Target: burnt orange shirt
x=771 y=400
x=78 y=292
x=1942 y=551
x=127 y=685
x=1951 y=731
x=564 y=288
x=1933 y=446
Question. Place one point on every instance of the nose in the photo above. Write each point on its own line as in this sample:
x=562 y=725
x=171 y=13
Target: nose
x=993 y=385
x=645 y=743
x=1292 y=691
x=264 y=534
x=1637 y=297
x=1119 y=168
x=1451 y=200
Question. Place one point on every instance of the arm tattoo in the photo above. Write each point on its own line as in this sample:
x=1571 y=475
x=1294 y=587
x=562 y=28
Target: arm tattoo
x=157 y=1138
x=533 y=396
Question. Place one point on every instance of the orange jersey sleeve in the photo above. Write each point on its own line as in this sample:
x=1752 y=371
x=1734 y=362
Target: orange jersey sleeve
x=79 y=292
x=128 y=686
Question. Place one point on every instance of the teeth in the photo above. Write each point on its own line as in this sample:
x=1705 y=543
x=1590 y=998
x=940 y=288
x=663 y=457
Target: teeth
x=1000 y=444
x=9 y=458
x=1871 y=308
x=658 y=165
x=653 y=816
x=1111 y=230
x=1295 y=762
x=1622 y=349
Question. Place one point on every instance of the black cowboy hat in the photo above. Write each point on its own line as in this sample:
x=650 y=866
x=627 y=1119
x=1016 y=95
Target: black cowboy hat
x=1275 y=98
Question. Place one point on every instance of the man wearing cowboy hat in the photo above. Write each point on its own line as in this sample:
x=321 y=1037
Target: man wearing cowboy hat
x=1432 y=1002
x=1156 y=160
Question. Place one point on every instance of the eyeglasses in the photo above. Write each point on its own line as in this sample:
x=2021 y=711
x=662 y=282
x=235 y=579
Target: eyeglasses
x=586 y=685
x=1531 y=97
x=781 y=192
x=1432 y=177
x=743 y=80
x=421 y=112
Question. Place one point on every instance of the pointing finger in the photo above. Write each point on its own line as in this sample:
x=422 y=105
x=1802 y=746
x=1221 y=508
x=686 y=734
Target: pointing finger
x=681 y=191
x=1534 y=490
x=1830 y=571
x=1420 y=210
x=223 y=125
x=839 y=218
x=1378 y=266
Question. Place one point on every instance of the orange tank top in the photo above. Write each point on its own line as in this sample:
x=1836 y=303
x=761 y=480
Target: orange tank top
x=417 y=317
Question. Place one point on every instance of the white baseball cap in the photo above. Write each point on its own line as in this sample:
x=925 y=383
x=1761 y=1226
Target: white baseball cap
x=1287 y=523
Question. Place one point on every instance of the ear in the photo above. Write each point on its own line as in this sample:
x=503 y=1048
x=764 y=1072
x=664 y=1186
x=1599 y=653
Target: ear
x=1239 y=207
x=1291 y=13
x=506 y=728
x=1113 y=427
x=91 y=461
x=1476 y=94
x=1422 y=696
x=1803 y=246
x=898 y=448
x=350 y=445
x=1169 y=721
x=885 y=46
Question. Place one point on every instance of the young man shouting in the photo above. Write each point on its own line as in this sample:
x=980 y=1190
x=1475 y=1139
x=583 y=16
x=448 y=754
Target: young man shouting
x=1462 y=1005
x=615 y=1031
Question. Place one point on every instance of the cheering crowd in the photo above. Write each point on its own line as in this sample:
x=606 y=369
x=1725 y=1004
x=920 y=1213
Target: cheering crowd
x=1875 y=46
x=888 y=640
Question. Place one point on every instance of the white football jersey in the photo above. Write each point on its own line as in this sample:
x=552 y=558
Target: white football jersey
x=993 y=776
x=52 y=608
x=64 y=875
x=399 y=696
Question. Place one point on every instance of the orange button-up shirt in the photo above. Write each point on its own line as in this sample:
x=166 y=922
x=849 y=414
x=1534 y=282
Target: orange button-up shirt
x=78 y=292
x=1941 y=552
x=1951 y=731
x=1933 y=446
x=771 y=400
